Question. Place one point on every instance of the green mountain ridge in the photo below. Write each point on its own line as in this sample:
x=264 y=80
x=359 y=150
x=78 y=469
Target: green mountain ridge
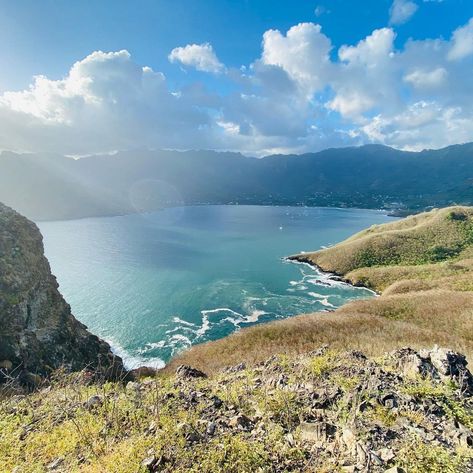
x=53 y=187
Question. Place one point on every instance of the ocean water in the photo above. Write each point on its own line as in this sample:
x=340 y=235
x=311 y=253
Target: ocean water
x=154 y=284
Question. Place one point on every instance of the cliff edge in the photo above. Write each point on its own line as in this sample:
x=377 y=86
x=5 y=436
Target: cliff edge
x=38 y=332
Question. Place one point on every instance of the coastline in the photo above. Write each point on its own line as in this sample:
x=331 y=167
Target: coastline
x=377 y=324
x=133 y=362
x=302 y=258
x=125 y=213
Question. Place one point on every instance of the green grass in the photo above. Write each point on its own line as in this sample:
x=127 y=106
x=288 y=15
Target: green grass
x=424 y=388
x=429 y=237
x=426 y=275
x=321 y=364
x=419 y=457
x=155 y=418
x=41 y=427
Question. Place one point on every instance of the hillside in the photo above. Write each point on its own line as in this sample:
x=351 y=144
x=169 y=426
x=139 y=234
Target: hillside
x=53 y=187
x=321 y=412
x=421 y=265
x=321 y=392
x=429 y=237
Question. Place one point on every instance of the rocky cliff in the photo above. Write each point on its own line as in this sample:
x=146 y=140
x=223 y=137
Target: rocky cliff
x=38 y=333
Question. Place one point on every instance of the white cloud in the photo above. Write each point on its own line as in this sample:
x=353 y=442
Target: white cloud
x=351 y=103
x=422 y=125
x=401 y=11
x=462 y=42
x=372 y=50
x=200 y=56
x=298 y=96
x=105 y=102
x=365 y=76
x=420 y=78
x=303 y=53
x=321 y=10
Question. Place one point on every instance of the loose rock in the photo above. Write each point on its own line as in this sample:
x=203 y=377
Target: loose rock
x=184 y=371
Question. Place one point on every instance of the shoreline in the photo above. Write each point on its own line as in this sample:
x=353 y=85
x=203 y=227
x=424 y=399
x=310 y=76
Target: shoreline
x=301 y=258
x=294 y=259
x=387 y=212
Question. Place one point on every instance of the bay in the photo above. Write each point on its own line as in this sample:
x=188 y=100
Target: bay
x=155 y=284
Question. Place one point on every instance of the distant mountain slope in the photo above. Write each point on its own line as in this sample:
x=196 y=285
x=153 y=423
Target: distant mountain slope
x=55 y=187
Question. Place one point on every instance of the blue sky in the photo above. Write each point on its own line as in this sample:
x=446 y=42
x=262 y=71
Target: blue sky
x=223 y=104
x=47 y=37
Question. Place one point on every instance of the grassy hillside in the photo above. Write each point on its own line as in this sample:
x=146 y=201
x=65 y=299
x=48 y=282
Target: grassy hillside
x=422 y=265
x=323 y=412
x=428 y=237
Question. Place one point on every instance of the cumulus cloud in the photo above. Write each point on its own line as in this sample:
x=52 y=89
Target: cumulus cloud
x=422 y=125
x=365 y=76
x=303 y=53
x=420 y=78
x=401 y=11
x=199 y=56
x=105 y=102
x=299 y=95
x=462 y=42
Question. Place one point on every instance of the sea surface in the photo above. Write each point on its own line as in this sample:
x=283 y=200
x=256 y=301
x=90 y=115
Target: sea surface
x=154 y=284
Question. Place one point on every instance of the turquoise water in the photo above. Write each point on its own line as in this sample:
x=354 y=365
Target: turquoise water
x=157 y=283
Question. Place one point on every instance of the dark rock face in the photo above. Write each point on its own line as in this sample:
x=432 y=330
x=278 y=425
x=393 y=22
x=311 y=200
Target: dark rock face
x=38 y=333
x=184 y=371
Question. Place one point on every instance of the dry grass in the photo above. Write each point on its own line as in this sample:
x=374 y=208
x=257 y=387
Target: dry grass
x=462 y=283
x=373 y=326
x=421 y=304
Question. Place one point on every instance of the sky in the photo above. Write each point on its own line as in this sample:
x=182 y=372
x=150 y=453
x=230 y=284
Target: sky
x=254 y=76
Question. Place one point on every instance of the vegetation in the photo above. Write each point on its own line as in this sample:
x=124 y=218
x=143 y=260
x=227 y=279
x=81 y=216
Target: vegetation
x=52 y=187
x=429 y=237
x=417 y=457
x=274 y=409
x=318 y=412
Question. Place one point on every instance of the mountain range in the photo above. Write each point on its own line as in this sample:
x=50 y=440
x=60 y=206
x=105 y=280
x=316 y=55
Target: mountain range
x=54 y=187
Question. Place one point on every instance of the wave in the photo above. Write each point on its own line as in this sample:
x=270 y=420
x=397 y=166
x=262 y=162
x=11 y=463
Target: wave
x=178 y=320
x=322 y=278
x=134 y=360
x=255 y=315
x=180 y=339
x=313 y=291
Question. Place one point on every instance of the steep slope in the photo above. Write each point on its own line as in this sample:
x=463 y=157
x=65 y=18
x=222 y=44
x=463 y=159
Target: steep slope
x=38 y=333
x=46 y=187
